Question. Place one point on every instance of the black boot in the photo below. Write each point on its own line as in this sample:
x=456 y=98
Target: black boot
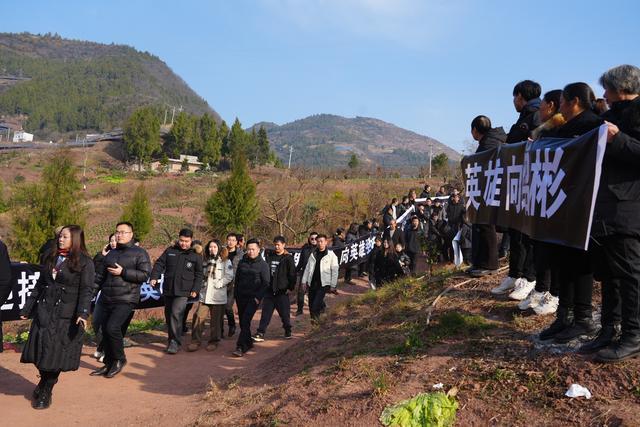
x=38 y=389
x=44 y=397
x=627 y=348
x=580 y=327
x=232 y=330
x=606 y=336
x=563 y=321
x=116 y=368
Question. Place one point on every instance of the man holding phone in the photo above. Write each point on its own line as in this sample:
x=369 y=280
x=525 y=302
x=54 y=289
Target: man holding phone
x=120 y=276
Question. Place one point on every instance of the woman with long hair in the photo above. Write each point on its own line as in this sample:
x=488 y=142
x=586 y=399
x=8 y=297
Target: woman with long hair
x=218 y=273
x=60 y=304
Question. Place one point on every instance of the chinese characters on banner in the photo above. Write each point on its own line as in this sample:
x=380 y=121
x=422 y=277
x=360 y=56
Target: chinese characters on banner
x=26 y=276
x=546 y=188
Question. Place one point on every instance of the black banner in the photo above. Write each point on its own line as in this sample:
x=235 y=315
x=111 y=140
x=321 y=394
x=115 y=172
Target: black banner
x=546 y=188
x=24 y=277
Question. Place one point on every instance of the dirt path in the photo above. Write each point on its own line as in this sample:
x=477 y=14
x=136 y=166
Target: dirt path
x=154 y=388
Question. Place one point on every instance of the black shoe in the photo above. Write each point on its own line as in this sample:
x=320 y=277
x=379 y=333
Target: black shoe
x=173 y=347
x=624 y=349
x=116 y=368
x=481 y=272
x=44 y=399
x=100 y=371
x=37 y=390
x=579 y=328
x=605 y=337
x=555 y=328
x=238 y=352
x=287 y=335
x=232 y=330
x=259 y=337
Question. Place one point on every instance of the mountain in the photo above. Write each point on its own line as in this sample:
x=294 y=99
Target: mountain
x=326 y=139
x=66 y=85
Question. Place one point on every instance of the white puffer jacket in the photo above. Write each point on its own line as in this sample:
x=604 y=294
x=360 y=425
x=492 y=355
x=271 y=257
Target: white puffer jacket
x=329 y=268
x=217 y=275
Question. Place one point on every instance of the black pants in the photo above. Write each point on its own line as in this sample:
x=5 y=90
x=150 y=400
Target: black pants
x=231 y=320
x=282 y=305
x=348 y=272
x=413 y=256
x=547 y=264
x=174 y=308
x=484 y=247
x=505 y=244
x=621 y=283
x=316 y=300
x=300 y=295
x=115 y=316
x=247 y=308
x=521 y=258
x=48 y=379
x=576 y=282
x=185 y=317
x=4 y=294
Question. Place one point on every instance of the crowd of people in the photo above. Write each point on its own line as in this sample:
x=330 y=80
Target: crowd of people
x=237 y=275
x=550 y=278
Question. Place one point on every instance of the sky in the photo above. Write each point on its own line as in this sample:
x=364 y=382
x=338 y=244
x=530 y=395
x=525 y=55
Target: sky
x=429 y=66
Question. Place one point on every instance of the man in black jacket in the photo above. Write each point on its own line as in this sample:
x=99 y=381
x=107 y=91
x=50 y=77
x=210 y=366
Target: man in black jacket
x=283 y=280
x=616 y=224
x=251 y=284
x=307 y=248
x=5 y=281
x=414 y=236
x=526 y=100
x=393 y=234
x=182 y=268
x=123 y=271
x=484 y=241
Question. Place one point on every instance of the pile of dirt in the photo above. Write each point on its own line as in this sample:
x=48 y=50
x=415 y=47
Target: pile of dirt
x=377 y=349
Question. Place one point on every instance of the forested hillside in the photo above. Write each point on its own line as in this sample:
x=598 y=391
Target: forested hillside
x=71 y=85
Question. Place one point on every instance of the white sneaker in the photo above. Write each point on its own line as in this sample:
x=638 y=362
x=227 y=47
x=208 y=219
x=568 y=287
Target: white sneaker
x=507 y=284
x=533 y=300
x=98 y=354
x=548 y=305
x=522 y=289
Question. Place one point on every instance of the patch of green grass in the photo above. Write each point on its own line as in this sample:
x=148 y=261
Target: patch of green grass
x=454 y=323
x=380 y=385
x=19 y=338
x=114 y=178
x=137 y=326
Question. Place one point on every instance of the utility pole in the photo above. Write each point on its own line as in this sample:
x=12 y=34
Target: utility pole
x=173 y=113
x=290 y=153
x=430 y=157
x=164 y=122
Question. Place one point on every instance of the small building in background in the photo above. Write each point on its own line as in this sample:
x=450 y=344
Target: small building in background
x=185 y=164
x=22 y=136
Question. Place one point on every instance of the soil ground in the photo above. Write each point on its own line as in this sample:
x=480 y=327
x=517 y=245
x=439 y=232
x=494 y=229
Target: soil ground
x=154 y=388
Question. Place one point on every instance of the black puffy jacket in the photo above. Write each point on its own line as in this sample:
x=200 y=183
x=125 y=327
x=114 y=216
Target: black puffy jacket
x=494 y=138
x=252 y=278
x=529 y=120
x=618 y=201
x=5 y=267
x=123 y=289
x=182 y=271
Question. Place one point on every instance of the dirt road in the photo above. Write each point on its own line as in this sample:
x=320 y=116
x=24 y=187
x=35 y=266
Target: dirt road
x=154 y=388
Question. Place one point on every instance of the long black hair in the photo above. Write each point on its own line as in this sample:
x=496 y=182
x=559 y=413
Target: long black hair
x=78 y=248
x=582 y=92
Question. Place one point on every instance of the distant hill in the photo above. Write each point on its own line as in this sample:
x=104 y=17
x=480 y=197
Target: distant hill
x=326 y=139
x=68 y=85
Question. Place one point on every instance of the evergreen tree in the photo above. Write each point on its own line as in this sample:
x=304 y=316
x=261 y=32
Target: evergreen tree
x=353 y=161
x=234 y=205
x=180 y=136
x=164 y=162
x=237 y=141
x=263 y=148
x=211 y=141
x=37 y=209
x=223 y=131
x=138 y=213
x=142 y=135
x=439 y=162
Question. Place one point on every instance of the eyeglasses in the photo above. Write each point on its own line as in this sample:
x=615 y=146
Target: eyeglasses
x=119 y=233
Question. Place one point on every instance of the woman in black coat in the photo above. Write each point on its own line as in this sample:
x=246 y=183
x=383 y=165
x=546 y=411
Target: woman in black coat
x=60 y=305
